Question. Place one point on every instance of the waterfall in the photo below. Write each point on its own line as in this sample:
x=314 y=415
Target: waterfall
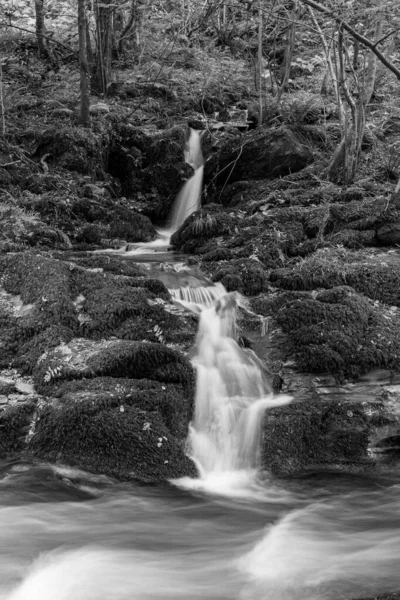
x=232 y=395
x=188 y=199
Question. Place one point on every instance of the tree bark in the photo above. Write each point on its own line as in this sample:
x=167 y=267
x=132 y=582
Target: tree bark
x=84 y=116
x=40 y=28
x=104 y=30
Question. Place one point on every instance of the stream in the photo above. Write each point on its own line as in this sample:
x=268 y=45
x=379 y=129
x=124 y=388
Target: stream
x=233 y=533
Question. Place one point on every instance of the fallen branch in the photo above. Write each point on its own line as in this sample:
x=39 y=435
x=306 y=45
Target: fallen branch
x=50 y=39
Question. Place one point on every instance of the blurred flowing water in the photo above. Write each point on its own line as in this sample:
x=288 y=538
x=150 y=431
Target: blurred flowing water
x=67 y=534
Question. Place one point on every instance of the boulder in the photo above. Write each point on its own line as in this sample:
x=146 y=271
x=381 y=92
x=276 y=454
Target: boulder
x=255 y=155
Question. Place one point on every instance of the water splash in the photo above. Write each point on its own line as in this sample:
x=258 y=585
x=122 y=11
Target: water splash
x=232 y=394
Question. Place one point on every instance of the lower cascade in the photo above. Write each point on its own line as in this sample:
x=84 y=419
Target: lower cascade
x=232 y=394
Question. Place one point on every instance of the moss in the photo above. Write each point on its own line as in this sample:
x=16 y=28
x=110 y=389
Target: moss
x=201 y=226
x=159 y=325
x=313 y=434
x=339 y=332
x=143 y=361
x=122 y=441
x=30 y=351
x=115 y=358
x=45 y=282
x=109 y=301
x=14 y=422
x=169 y=400
x=245 y=276
x=377 y=277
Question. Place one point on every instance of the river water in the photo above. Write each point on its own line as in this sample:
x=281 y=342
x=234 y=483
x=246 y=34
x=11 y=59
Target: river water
x=66 y=534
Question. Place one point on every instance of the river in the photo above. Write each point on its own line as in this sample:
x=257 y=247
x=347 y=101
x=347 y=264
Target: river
x=65 y=534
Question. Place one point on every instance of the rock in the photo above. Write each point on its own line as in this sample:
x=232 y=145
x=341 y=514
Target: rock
x=113 y=358
x=14 y=426
x=150 y=166
x=376 y=275
x=98 y=109
x=119 y=440
x=326 y=434
x=389 y=234
x=257 y=155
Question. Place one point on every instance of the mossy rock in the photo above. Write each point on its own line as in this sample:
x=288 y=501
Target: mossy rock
x=14 y=426
x=245 y=276
x=169 y=400
x=200 y=227
x=121 y=441
x=114 y=358
x=317 y=434
x=376 y=276
x=340 y=332
x=109 y=264
x=73 y=148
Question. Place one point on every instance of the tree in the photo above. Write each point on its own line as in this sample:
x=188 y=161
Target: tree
x=40 y=28
x=84 y=115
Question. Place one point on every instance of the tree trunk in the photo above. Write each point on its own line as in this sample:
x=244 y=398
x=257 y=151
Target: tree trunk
x=260 y=61
x=84 y=115
x=2 y=107
x=40 y=28
x=104 y=30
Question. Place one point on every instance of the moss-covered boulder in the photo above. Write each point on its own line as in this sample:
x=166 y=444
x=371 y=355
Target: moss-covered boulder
x=202 y=226
x=171 y=401
x=323 y=434
x=335 y=331
x=246 y=276
x=259 y=154
x=120 y=440
x=115 y=358
x=374 y=274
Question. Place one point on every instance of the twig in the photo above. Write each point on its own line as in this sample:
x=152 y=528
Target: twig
x=14 y=162
x=50 y=39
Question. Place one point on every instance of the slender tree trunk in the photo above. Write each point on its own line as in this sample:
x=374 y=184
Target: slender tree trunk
x=260 y=61
x=2 y=107
x=289 y=50
x=40 y=28
x=84 y=115
x=103 y=42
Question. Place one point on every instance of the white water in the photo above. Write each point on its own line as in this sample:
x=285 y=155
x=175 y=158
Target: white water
x=232 y=395
x=188 y=199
